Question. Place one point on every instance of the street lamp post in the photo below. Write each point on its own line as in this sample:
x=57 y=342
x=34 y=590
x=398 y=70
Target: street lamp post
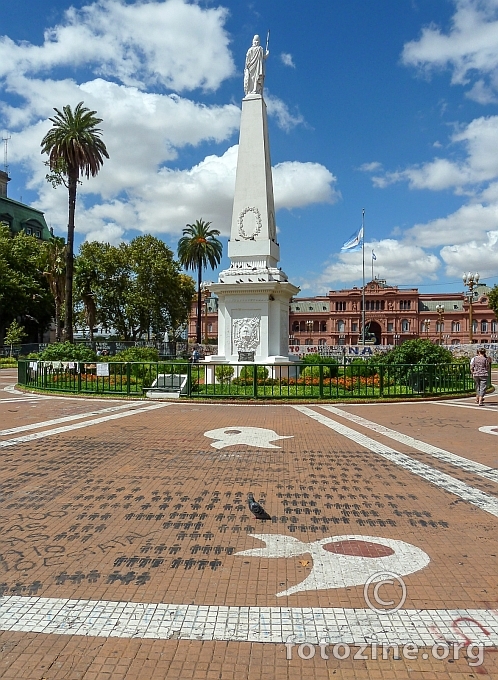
x=396 y=339
x=440 y=313
x=427 y=325
x=309 y=327
x=470 y=281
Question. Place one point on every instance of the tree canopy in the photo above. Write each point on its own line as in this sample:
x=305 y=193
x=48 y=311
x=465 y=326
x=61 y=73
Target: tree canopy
x=493 y=300
x=24 y=292
x=136 y=287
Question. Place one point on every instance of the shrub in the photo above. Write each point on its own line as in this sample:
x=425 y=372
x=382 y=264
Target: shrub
x=330 y=362
x=314 y=372
x=360 y=368
x=224 y=373
x=247 y=373
x=415 y=352
x=147 y=354
x=66 y=351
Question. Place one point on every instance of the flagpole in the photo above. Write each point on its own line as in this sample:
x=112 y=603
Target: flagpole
x=363 y=289
x=372 y=266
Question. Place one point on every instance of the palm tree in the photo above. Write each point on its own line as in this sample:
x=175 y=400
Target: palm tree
x=74 y=148
x=198 y=248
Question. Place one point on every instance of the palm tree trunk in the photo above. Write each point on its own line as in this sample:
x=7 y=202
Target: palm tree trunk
x=68 y=316
x=57 y=318
x=199 y=305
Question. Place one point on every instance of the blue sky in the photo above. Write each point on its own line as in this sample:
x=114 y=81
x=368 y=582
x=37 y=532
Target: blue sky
x=387 y=105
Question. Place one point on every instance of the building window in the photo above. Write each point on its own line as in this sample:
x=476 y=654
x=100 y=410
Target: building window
x=323 y=326
x=308 y=341
x=390 y=327
x=405 y=304
x=474 y=326
x=494 y=326
x=455 y=342
x=295 y=327
x=439 y=327
x=455 y=327
x=354 y=327
x=484 y=326
x=322 y=341
x=341 y=326
x=340 y=306
x=405 y=326
x=210 y=327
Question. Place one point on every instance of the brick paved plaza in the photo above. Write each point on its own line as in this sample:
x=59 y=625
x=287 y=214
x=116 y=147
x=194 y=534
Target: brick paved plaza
x=123 y=523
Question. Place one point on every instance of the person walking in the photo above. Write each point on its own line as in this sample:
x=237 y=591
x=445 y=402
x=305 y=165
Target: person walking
x=479 y=367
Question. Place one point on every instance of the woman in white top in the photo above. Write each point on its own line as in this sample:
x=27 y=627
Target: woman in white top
x=479 y=367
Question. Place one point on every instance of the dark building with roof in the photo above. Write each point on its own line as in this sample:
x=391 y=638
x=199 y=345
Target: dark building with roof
x=21 y=217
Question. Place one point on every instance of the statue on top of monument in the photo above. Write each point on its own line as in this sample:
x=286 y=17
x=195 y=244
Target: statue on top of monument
x=254 y=71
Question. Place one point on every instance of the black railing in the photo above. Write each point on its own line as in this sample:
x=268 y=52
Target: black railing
x=243 y=381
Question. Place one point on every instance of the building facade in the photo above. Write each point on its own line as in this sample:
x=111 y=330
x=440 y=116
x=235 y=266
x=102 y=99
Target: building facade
x=392 y=316
x=20 y=217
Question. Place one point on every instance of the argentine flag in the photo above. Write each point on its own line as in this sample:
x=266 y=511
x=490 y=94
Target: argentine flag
x=354 y=241
x=374 y=256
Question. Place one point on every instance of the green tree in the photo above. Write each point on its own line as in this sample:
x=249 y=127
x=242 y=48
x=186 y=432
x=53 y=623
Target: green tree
x=53 y=267
x=136 y=287
x=414 y=352
x=15 y=335
x=493 y=300
x=74 y=148
x=199 y=248
x=24 y=292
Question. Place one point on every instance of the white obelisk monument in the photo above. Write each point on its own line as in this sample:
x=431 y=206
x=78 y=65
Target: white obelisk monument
x=254 y=293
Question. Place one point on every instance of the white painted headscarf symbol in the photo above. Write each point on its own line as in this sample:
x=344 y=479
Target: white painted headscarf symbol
x=252 y=436
x=343 y=561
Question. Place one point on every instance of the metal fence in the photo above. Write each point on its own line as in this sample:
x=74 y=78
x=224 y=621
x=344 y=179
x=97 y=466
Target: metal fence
x=243 y=381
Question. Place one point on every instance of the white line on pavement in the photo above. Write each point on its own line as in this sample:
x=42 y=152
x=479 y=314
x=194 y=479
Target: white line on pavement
x=253 y=624
x=77 y=426
x=474 y=406
x=21 y=400
x=441 y=454
x=478 y=498
x=66 y=419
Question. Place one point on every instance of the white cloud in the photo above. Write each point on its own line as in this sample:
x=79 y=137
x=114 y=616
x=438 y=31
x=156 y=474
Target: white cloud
x=130 y=47
x=173 y=43
x=469 y=222
x=396 y=261
x=287 y=59
x=480 y=142
x=370 y=167
x=476 y=255
x=299 y=184
x=469 y=48
x=279 y=109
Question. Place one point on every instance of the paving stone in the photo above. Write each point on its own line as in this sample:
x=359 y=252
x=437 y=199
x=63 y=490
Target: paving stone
x=120 y=540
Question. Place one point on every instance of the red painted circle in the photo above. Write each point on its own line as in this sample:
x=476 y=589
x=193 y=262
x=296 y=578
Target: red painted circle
x=358 y=549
